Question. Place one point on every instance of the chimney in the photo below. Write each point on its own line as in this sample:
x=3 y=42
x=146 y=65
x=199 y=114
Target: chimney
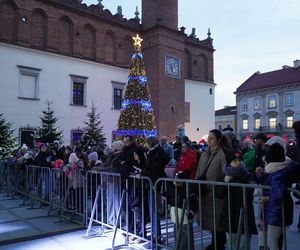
x=296 y=63
x=285 y=66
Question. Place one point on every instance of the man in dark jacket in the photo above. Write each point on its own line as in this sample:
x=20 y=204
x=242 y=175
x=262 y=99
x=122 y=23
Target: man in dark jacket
x=296 y=156
x=123 y=164
x=126 y=160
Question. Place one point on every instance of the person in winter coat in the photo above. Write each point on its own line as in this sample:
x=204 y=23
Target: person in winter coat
x=68 y=150
x=185 y=169
x=235 y=171
x=113 y=195
x=296 y=157
x=280 y=174
x=248 y=155
x=74 y=172
x=156 y=160
x=187 y=161
x=43 y=158
x=210 y=169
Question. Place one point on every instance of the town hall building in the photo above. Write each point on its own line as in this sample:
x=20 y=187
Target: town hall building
x=73 y=55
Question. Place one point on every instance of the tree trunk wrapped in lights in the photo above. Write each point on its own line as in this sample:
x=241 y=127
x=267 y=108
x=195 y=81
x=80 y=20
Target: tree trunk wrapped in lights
x=137 y=118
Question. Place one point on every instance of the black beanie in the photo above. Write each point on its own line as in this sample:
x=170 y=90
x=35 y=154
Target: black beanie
x=275 y=153
x=230 y=155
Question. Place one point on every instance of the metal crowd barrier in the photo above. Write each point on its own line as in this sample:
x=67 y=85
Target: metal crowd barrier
x=107 y=202
x=12 y=177
x=181 y=213
x=67 y=196
x=118 y=204
x=37 y=185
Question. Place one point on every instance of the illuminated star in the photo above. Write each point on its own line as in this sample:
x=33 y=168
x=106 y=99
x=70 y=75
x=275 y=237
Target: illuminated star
x=137 y=40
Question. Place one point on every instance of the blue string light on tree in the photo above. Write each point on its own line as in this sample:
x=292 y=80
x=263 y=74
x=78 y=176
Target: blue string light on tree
x=137 y=56
x=135 y=132
x=141 y=79
x=145 y=104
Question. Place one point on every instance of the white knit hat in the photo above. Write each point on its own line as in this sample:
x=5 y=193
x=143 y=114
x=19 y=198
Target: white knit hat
x=28 y=155
x=93 y=156
x=73 y=158
x=24 y=147
x=118 y=145
x=276 y=139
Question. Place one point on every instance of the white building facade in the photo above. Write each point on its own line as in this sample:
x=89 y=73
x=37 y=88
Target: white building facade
x=201 y=99
x=271 y=106
x=31 y=77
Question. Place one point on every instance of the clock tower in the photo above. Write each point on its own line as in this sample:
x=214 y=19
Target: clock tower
x=164 y=51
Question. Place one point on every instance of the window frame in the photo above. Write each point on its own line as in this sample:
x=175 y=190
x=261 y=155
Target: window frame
x=29 y=129
x=269 y=122
x=76 y=79
x=255 y=102
x=77 y=130
x=291 y=98
x=255 y=123
x=119 y=86
x=269 y=102
x=247 y=127
x=287 y=121
x=244 y=104
x=29 y=71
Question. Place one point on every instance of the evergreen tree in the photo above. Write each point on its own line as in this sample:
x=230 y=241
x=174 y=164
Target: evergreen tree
x=48 y=132
x=7 y=141
x=137 y=116
x=93 y=131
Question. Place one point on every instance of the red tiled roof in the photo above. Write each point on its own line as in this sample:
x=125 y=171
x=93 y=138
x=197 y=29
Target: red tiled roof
x=230 y=110
x=271 y=79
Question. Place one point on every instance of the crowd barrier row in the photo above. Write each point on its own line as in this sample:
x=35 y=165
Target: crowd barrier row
x=161 y=215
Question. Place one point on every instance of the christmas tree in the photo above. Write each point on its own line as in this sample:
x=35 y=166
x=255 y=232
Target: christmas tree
x=93 y=132
x=136 y=116
x=7 y=141
x=48 y=132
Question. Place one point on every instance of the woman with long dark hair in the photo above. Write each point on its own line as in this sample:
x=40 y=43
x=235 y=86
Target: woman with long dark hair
x=210 y=169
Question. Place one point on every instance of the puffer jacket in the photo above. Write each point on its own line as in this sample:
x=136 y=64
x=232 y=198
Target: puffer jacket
x=280 y=176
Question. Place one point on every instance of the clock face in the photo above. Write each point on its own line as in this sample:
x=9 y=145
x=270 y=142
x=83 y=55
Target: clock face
x=172 y=66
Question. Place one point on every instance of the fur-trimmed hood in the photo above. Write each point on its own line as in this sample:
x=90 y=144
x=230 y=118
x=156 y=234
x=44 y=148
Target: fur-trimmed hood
x=273 y=167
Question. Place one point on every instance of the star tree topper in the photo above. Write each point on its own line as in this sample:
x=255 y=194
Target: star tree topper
x=137 y=41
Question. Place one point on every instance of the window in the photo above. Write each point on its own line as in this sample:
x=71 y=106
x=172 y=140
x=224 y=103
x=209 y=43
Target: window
x=76 y=135
x=117 y=91
x=78 y=93
x=28 y=82
x=272 y=101
x=78 y=96
x=245 y=124
x=245 y=104
x=118 y=98
x=289 y=99
x=257 y=103
x=26 y=135
x=210 y=91
x=272 y=122
x=220 y=127
x=257 y=123
x=289 y=121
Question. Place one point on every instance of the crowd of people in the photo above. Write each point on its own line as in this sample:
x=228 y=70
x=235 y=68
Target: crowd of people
x=222 y=158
